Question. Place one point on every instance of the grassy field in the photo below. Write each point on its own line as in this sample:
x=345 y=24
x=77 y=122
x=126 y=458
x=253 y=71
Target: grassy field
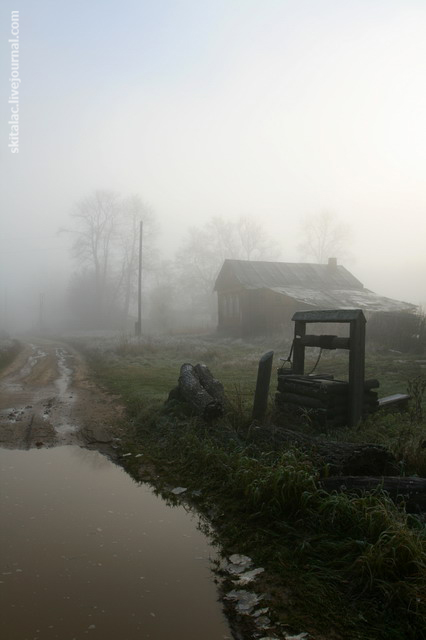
x=337 y=566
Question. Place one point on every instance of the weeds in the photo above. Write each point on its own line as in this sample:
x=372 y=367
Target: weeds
x=362 y=548
x=353 y=563
x=9 y=349
x=416 y=388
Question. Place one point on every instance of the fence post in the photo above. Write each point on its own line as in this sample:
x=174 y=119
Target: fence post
x=262 y=386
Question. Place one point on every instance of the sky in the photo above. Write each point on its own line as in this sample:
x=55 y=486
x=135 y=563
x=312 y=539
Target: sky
x=277 y=109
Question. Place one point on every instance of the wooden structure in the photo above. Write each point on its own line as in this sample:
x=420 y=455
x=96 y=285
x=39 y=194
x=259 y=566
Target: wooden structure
x=264 y=371
x=337 y=402
x=260 y=297
x=340 y=402
x=355 y=344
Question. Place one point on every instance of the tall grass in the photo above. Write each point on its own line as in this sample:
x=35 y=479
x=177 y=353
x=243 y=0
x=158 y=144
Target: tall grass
x=9 y=349
x=354 y=549
x=353 y=563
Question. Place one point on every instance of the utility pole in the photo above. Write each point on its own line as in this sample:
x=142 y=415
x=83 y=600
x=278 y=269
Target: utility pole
x=41 y=312
x=6 y=310
x=139 y=322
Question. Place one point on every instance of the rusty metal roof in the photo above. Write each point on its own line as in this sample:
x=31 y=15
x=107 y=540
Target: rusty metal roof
x=317 y=285
x=344 y=299
x=260 y=274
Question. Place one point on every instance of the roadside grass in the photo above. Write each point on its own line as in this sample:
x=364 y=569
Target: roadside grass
x=355 y=563
x=9 y=349
x=346 y=566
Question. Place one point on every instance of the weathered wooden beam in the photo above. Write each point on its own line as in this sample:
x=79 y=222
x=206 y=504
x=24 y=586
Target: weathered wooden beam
x=356 y=369
x=325 y=342
x=302 y=401
x=328 y=315
x=395 y=401
x=299 y=348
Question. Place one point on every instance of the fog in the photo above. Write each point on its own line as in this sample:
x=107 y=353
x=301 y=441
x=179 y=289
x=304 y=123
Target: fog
x=275 y=110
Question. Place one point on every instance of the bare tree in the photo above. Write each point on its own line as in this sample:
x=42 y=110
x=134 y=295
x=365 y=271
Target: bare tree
x=204 y=250
x=196 y=267
x=255 y=244
x=324 y=237
x=106 y=245
x=163 y=295
x=96 y=220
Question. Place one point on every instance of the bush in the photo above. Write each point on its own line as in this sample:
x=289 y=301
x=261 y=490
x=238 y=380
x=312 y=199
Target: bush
x=398 y=330
x=9 y=349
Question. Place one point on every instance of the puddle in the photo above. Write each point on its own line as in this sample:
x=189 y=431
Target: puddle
x=41 y=403
x=65 y=374
x=88 y=553
x=64 y=394
x=12 y=414
x=38 y=354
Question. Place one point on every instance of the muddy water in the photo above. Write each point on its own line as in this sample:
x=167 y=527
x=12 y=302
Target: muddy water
x=87 y=553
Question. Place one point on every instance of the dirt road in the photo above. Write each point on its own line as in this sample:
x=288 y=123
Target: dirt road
x=47 y=399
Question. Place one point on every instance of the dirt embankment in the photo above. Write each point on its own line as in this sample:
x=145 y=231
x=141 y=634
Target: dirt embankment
x=47 y=399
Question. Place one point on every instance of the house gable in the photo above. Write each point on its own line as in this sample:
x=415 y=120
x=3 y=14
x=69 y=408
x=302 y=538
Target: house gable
x=248 y=274
x=259 y=297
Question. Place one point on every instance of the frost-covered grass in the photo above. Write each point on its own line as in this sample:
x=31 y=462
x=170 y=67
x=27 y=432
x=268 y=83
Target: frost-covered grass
x=149 y=367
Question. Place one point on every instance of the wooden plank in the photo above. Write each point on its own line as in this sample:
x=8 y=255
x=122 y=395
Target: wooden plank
x=400 y=399
x=328 y=315
x=371 y=383
x=298 y=348
x=319 y=391
x=325 y=342
x=302 y=401
x=356 y=369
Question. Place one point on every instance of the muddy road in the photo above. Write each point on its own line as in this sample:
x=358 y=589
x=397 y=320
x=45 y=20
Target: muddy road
x=47 y=399
x=86 y=550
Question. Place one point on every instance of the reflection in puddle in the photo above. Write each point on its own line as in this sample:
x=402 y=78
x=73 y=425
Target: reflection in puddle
x=65 y=373
x=64 y=394
x=86 y=552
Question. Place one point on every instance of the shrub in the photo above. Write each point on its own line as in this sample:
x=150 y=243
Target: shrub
x=398 y=330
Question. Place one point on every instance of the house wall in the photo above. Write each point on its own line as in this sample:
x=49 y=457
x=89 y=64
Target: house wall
x=279 y=311
x=254 y=312
x=230 y=312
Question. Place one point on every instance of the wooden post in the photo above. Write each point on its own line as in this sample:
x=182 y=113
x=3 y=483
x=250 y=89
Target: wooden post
x=299 y=348
x=355 y=344
x=138 y=324
x=356 y=370
x=262 y=386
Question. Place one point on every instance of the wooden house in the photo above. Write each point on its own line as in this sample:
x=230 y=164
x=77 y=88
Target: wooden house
x=260 y=298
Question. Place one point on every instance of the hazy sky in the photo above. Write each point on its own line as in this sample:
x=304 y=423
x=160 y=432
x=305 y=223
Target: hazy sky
x=272 y=108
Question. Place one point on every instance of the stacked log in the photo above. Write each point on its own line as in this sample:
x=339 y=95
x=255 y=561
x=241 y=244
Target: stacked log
x=200 y=391
x=326 y=399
